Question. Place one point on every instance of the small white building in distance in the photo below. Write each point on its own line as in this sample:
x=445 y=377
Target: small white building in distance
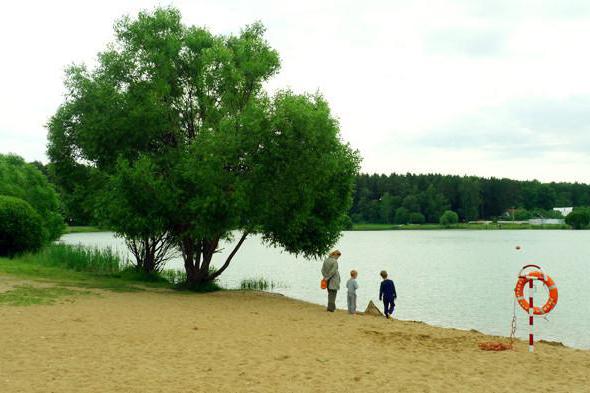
x=564 y=210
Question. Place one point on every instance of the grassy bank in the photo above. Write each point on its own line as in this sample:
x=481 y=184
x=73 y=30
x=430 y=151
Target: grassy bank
x=391 y=227
x=80 y=267
x=83 y=229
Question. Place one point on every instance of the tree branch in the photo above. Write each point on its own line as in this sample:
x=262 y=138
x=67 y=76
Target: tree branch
x=229 y=258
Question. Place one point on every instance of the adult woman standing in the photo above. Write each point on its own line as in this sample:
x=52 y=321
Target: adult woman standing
x=332 y=276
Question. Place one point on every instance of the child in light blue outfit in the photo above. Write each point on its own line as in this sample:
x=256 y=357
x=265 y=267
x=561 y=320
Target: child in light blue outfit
x=352 y=286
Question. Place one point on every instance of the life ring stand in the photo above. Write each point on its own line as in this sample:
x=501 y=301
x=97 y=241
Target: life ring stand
x=540 y=275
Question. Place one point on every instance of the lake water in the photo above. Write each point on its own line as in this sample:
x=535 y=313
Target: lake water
x=455 y=278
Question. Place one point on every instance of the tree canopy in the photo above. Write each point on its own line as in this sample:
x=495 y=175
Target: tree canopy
x=184 y=141
x=25 y=181
x=579 y=218
x=378 y=198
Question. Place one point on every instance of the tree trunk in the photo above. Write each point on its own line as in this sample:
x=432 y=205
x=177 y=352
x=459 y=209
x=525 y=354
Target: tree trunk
x=198 y=255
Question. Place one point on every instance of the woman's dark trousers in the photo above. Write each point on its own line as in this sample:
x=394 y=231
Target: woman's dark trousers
x=332 y=299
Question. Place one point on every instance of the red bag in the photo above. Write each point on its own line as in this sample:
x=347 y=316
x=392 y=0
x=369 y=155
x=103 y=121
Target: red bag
x=324 y=284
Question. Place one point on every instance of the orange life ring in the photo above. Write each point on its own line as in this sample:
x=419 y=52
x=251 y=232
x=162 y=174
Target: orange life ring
x=549 y=283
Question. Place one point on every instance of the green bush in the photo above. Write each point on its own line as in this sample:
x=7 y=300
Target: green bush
x=522 y=215
x=25 y=181
x=21 y=227
x=578 y=219
x=449 y=218
x=417 y=218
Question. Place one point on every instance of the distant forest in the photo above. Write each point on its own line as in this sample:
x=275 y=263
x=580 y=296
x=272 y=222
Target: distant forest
x=400 y=199
x=416 y=199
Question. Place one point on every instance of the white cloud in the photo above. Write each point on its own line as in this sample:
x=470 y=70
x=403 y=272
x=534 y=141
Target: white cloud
x=395 y=72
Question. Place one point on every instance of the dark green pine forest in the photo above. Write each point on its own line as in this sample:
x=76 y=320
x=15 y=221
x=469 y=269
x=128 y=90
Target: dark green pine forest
x=420 y=198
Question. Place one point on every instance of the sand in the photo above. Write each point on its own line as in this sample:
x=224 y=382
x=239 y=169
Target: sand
x=165 y=341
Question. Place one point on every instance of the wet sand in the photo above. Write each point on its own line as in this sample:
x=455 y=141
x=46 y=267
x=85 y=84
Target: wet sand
x=165 y=341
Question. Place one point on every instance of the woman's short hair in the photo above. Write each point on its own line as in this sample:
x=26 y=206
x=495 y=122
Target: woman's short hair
x=335 y=253
x=383 y=274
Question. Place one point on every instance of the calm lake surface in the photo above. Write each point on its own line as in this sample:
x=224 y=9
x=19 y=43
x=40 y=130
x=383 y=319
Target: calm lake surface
x=455 y=278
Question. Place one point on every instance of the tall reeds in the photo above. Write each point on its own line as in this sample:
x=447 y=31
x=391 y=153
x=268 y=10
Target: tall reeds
x=78 y=258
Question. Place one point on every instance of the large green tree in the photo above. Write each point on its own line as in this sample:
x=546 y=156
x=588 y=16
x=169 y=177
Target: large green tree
x=190 y=145
x=434 y=204
x=25 y=181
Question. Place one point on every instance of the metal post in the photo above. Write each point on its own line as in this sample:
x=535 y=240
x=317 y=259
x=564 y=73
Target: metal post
x=531 y=317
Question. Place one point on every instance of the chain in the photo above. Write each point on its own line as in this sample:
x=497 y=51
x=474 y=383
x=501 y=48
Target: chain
x=513 y=324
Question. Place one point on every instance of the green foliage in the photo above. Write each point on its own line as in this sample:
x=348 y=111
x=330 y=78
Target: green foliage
x=402 y=215
x=387 y=207
x=522 y=215
x=21 y=228
x=29 y=267
x=469 y=198
x=449 y=218
x=473 y=198
x=83 y=229
x=411 y=203
x=181 y=142
x=257 y=284
x=578 y=219
x=347 y=223
x=433 y=204
x=470 y=226
x=417 y=218
x=174 y=277
x=81 y=259
x=25 y=181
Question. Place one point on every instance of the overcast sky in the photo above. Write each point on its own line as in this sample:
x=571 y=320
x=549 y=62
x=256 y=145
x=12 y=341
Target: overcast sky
x=489 y=88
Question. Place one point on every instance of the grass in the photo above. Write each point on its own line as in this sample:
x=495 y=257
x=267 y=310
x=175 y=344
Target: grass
x=257 y=284
x=79 y=267
x=83 y=229
x=26 y=295
x=75 y=266
x=78 y=258
x=174 y=277
x=492 y=226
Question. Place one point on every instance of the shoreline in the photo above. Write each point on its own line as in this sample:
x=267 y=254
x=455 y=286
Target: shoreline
x=435 y=326
x=254 y=341
x=393 y=227
x=457 y=227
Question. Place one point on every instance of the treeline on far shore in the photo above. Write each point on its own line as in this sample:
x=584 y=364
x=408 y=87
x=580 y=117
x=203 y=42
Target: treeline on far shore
x=410 y=199
x=418 y=199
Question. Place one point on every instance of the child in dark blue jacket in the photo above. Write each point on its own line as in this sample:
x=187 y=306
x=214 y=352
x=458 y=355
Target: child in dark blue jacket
x=387 y=294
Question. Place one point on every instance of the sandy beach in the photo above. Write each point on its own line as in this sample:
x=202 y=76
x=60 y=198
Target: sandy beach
x=231 y=341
